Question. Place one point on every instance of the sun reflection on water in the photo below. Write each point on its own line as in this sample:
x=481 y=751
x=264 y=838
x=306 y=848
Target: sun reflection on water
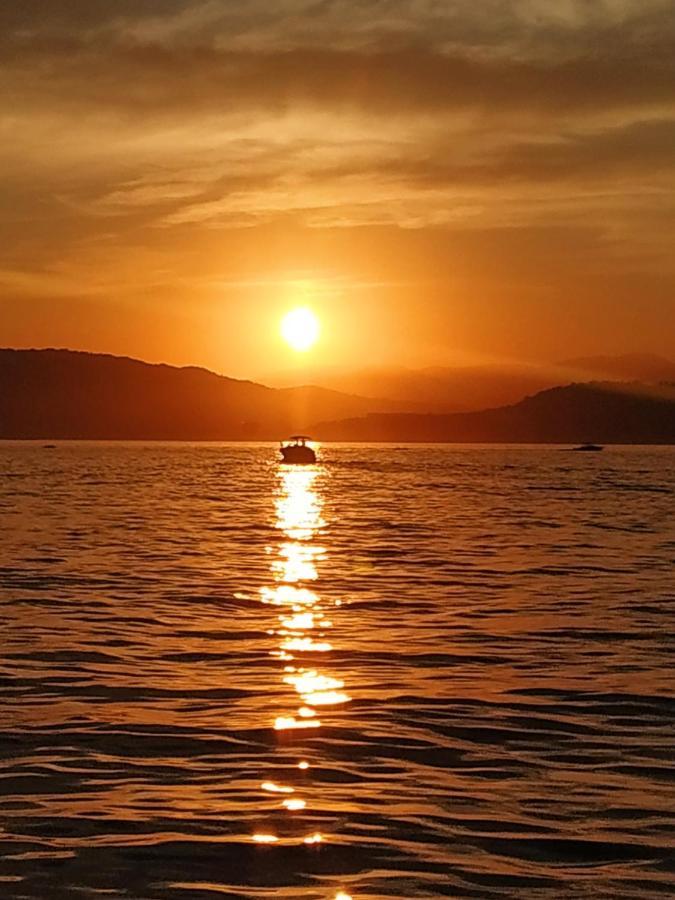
x=301 y=634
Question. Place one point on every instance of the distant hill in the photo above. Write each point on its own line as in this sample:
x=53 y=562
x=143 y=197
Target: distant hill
x=438 y=389
x=608 y=413
x=644 y=367
x=52 y=394
x=66 y=394
x=444 y=389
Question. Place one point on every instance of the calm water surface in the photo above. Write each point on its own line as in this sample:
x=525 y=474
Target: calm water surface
x=412 y=672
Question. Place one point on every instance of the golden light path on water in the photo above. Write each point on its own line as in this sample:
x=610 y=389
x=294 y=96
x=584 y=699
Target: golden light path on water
x=303 y=634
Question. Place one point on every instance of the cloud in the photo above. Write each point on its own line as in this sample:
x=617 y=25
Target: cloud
x=126 y=127
x=165 y=58
x=151 y=80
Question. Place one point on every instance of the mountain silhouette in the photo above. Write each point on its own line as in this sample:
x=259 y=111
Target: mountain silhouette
x=605 y=412
x=64 y=394
x=445 y=389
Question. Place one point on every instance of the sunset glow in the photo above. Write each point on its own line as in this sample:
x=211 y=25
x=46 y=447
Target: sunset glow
x=438 y=182
x=300 y=329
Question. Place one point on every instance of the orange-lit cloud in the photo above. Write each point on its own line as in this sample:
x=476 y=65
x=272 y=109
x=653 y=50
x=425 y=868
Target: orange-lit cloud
x=492 y=162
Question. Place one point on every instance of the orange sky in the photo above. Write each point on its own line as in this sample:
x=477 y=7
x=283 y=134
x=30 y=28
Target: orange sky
x=441 y=182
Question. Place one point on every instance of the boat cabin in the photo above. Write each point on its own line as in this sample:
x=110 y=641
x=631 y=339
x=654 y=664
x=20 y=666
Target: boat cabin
x=297 y=451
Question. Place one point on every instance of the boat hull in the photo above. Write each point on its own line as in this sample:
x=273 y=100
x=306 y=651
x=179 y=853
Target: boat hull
x=298 y=456
x=588 y=448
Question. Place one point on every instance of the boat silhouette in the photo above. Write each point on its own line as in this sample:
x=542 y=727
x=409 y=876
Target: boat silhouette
x=296 y=451
x=588 y=448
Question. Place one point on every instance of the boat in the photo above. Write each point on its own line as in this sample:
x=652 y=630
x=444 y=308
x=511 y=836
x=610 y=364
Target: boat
x=296 y=451
x=588 y=448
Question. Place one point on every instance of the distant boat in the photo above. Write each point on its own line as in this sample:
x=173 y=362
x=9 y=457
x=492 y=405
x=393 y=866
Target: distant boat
x=588 y=448
x=295 y=451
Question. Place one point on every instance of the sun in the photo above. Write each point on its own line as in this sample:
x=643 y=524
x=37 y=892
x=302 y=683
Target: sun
x=300 y=329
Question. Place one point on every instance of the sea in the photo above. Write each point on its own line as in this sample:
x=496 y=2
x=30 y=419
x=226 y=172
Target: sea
x=406 y=672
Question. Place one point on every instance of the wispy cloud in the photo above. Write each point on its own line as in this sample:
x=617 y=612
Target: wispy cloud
x=148 y=129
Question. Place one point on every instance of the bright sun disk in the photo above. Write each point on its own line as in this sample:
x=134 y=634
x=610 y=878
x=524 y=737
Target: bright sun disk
x=300 y=329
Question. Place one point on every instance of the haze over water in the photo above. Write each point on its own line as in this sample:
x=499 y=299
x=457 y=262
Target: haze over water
x=406 y=672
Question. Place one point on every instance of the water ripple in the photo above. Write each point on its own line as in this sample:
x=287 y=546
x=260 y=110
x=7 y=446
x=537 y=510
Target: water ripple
x=407 y=672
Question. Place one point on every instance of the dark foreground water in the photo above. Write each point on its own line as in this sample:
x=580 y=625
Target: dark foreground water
x=411 y=672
